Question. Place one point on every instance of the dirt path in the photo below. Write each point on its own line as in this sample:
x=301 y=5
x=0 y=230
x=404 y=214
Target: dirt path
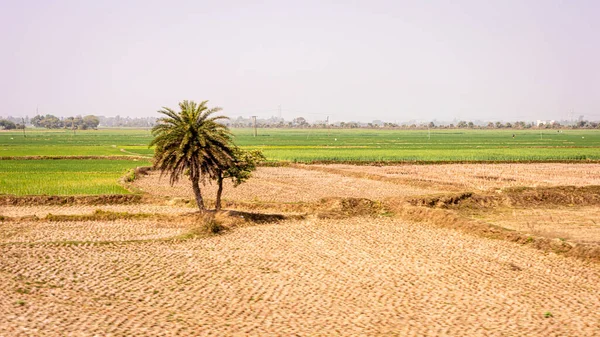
x=358 y=276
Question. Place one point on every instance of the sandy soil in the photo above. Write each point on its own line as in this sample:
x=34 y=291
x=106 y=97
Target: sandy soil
x=359 y=276
x=482 y=176
x=577 y=224
x=87 y=231
x=285 y=184
x=309 y=183
x=42 y=211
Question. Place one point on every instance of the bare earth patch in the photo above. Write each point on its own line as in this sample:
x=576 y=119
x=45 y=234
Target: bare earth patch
x=481 y=176
x=284 y=184
x=577 y=224
x=42 y=211
x=358 y=276
x=350 y=266
x=87 y=231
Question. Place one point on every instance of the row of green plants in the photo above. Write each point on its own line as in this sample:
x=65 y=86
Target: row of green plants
x=290 y=144
x=64 y=177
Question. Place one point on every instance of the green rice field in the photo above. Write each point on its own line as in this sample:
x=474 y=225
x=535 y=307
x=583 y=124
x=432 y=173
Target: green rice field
x=100 y=176
x=303 y=145
x=421 y=145
x=40 y=142
x=64 y=177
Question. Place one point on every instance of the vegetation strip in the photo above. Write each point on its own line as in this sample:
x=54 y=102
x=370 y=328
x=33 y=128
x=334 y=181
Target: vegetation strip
x=113 y=199
x=133 y=157
x=100 y=215
x=64 y=176
x=429 y=162
x=524 y=196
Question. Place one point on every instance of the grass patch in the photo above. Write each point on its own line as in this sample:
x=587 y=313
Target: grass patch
x=204 y=224
x=104 y=142
x=362 y=145
x=337 y=145
x=99 y=215
x=64 y=177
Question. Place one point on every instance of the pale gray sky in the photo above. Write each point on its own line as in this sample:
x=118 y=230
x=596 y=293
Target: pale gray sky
x=353 y=60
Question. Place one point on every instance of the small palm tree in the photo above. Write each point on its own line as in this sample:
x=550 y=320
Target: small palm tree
x=191 y=142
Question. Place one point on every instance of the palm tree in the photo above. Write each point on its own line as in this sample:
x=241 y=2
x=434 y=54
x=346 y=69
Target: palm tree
x=191 y=142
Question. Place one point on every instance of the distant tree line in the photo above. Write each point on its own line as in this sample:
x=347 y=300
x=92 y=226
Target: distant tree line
x=10 y=125
x=92 y=122
x=77 y=122
x=129 y=122
x=302 y=123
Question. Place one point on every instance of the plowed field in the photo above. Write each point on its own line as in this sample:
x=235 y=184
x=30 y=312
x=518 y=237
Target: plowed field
x=331 y=271
x=359 y=276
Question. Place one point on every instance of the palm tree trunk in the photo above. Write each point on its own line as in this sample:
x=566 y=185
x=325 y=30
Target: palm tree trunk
x=219 y=192
x=198 y=193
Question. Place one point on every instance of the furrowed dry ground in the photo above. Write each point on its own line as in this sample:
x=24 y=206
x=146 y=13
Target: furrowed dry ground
x=357 y=276
x=331 y=272
x=309 y=183
x=42 y=211
x=475 y=176
x=578 y=224
x=285 y=185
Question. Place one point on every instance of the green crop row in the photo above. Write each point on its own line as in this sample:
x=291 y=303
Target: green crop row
x=64 y=177
x=308 y=144
x=97 y=176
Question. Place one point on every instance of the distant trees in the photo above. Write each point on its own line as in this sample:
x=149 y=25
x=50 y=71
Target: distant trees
x=7 y=125
x=300 y=121
x=48 y=122
x=521 y=125
x=77 y=122
x=130 y=122
x=91 y=121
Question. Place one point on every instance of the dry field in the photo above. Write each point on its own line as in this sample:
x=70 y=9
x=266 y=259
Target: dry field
x=476 y=176
x=25 y=232
x=286 y=185
x=357 y=276
x=577 y=224
x=354 y=275
x=309 y=183
x=41 y=211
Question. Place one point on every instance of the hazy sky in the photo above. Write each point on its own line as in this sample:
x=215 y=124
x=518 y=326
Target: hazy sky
x=352 y=60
